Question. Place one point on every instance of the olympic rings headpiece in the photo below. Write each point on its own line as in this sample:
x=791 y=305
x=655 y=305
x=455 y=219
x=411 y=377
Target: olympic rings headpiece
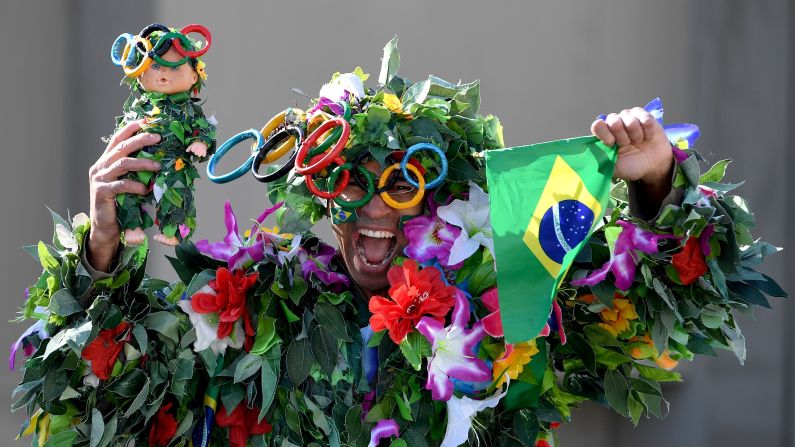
x=424 y=136
x=136 y=53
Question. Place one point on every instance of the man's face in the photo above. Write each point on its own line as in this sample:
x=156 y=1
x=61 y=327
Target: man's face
x=158 y=78
x=369 y=245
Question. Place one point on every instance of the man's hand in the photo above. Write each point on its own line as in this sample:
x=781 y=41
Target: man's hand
x=644 y=154
x=104 y=186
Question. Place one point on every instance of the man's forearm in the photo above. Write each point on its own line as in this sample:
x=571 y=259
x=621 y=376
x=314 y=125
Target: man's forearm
x=101 y=251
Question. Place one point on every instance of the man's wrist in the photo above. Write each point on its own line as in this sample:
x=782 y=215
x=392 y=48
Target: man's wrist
x=101 y=250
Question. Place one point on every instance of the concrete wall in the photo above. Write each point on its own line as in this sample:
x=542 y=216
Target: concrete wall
x=547 y=68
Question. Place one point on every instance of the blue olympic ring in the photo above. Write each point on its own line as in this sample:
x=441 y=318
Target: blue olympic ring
x=416 y=148
x=117 y=49
x=229 y=144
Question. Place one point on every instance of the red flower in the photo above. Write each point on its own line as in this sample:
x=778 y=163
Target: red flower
x=242 y=423
x=104 y=350
x=542 y=443
x=689 y=262
x=414 y=293
x=228 y=301
x=163 y=428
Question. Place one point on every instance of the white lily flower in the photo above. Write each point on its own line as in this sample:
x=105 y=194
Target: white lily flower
x=472 y=216
x=335 y=90
x=207 y=329
x=460 y=411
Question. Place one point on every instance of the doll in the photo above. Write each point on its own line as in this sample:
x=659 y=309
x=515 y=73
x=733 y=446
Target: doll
x=164 y=68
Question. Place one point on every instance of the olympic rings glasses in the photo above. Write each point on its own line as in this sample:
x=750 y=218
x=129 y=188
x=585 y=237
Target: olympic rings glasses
x=126 y=47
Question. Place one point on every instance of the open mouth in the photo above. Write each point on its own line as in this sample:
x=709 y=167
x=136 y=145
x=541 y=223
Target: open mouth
x=375 y=247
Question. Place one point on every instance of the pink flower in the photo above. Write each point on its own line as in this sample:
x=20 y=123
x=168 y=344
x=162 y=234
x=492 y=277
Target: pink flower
x=429 y=237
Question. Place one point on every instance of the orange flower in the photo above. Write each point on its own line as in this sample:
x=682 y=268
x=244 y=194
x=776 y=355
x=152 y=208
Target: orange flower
x=616 y=320
x=513 y=360
x=179 y=164
x=643 y=347
x=413 y=293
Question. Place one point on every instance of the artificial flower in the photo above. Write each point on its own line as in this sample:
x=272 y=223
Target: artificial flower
x=542 y=443
x=201 y=71
x=369 y=355
x=413 y=294
x=242 y=423
x=472 y=216
x=236 y=251
x=616 y=319
x=227 y=299
x=184 y=230
x=460 y=412
x=37 y=328
x=384 y=429
x=703 y=240
x=103 y=351
x=155 y=111
x=179 y=164
x=206 y=326
x=623 y=259
x=643 y=347
x=453 y=350
x=315 y=264
x=429 y=237
x=554 y=323
x=689 y=262
x=393 y=103
x=492 y=323
x=163 y=427
x=342 y=86
x=512 y=362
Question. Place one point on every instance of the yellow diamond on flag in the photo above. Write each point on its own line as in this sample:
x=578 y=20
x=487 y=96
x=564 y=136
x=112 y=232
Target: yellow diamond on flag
x=563 y=217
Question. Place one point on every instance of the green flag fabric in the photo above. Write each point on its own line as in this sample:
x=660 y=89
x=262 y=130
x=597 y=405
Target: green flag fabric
x=546 y=200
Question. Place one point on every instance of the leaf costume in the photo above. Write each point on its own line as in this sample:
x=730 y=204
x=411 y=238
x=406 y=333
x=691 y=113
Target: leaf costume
x=265 y=341
x=180 y=121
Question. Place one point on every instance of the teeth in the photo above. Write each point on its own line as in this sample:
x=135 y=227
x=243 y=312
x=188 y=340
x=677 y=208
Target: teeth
x=377 y=234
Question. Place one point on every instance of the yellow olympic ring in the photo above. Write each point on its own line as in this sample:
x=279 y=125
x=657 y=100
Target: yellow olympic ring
x=145 y=63
x=272 y=125
x=414 y=200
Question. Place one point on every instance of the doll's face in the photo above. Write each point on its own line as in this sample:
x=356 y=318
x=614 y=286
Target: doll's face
x=158 y=78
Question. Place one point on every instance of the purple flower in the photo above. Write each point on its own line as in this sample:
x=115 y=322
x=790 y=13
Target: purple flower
x=623 y=259
x=235 y=250
x=316 y=264
x=453 y=351
x=332 y=105
x=29 y=349
x=429 y=237
x=383 y=430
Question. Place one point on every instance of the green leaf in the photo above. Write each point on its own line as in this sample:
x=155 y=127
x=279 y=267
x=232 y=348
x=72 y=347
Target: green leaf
x=268 y=379
x=139 y=399
x=164 y=323
x=645 y=387
x=63 y=303
x=416 y=93
x=62 y=439
x=247 y=367
x=48 y=261
x=266 y=337
x=525 y=425
x=354 y=427
x=97 y=428
x=617 y=392
x=415 y=347
x=660 y=375
x=299 y=361
x=583 y=351
x=331 y=319
x=635 y=408
x=390 y=62
x=716 y=172
x=324 y=348
x=375 y=340
x=178 y=130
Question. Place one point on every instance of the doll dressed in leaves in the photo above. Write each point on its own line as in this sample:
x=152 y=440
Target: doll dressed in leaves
x=163 y=69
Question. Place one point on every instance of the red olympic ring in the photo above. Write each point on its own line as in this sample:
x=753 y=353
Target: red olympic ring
x=341 y=184
x=326 y=158
x=193 y=28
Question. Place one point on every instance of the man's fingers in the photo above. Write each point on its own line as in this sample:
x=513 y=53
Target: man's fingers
x=632 y=125
x=125 y=132
x=600 y=130
x=125 y=165
x=111 y=189
x=616 y=125
x=128 y=146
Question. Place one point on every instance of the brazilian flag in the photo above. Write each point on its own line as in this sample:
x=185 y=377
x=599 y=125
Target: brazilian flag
x=546 y=199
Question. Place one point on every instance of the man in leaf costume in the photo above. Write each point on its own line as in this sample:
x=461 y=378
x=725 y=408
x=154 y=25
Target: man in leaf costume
x=271 y=337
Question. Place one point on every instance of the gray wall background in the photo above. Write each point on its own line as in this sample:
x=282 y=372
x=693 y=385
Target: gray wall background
x=547 y=68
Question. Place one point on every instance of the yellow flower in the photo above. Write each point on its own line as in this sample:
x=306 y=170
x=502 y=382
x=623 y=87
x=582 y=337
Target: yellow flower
x=200 y=70
x=393 y=103
x=643 y=347
x=513 y=364
x=155 y=111
x=179 y=165
x=616 y=320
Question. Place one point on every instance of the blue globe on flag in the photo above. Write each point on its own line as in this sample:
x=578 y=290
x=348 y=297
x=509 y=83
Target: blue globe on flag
x=563 y=226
